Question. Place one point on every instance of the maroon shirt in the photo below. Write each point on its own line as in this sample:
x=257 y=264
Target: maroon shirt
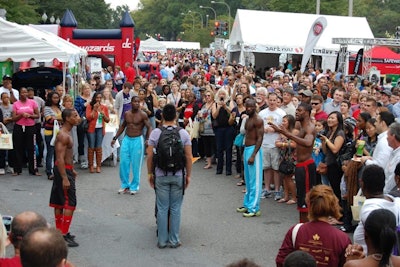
x=324 y=242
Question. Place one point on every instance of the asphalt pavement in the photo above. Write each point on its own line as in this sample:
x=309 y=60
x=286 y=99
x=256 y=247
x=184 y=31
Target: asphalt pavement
x=120 y=230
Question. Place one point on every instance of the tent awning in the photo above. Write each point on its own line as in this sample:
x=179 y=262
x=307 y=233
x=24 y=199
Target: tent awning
x=22 y=43
x=287 y=32
x=152 y=45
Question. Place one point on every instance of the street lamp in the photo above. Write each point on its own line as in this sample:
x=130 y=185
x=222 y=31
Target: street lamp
x=184 y=14
x=52 y=19
x=215 y=13
x=207 y=20
x=201 y=17
x=44 y=17
x=229 y=13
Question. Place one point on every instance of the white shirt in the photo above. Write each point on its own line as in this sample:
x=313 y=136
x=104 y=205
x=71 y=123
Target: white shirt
x=15 y=92
x=271 y=116
x=381 y=152
x=394 y=158
x=370 y=205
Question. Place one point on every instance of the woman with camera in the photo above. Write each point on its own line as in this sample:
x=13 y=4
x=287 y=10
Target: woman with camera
x=224 y=118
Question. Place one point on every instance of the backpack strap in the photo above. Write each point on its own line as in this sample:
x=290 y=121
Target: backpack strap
x=294 y=233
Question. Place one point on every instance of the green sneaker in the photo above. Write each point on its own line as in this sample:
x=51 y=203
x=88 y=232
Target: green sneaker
x=252 y=214
x=241 y=209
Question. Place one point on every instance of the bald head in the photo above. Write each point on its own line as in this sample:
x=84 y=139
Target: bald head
x=43 y=247
x=23 y=223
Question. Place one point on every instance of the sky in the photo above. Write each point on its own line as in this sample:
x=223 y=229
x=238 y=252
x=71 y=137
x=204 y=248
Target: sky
x=131 y=3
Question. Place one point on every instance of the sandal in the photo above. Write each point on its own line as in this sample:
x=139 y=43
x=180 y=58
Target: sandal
x=244 y=190
x=241 y=183
x=207 y=167
x=50 y=177
x=291 y=202
x=282 y=200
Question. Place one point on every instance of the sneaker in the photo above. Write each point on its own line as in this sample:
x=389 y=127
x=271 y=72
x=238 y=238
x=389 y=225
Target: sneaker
x=2 y=171
x=132 y=192
x=265 y=194
x=10 y=169
x=241 y=209
x=123 y=190
x=70 y=236
x=70 y=241
x=161 y=246
x=177 y=245
x=252 y=214
x=278 y=196
x=84 y=165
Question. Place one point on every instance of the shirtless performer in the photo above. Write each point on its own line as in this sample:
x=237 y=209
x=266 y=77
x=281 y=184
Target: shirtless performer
x=63 y=192
x=132 y=148
x=305 y=174
x=252 y=158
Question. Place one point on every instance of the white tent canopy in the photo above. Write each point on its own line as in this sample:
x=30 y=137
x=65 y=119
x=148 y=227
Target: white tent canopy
x=181 y=45
x=152 y=45
x=21 y=43
x=280 y=32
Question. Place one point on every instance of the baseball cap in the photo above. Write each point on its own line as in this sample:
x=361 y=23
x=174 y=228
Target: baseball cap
x=307 y=93
x=386 y=92
x=154 y=77
x=5 y=77
x=288 y=90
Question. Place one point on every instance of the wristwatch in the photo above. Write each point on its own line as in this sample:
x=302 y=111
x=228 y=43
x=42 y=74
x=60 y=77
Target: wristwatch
x=114 y=138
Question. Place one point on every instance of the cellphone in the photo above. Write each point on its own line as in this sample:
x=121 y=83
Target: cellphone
x=7 y=219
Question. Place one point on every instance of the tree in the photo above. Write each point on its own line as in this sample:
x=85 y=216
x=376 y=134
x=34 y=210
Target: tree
x=20 y=11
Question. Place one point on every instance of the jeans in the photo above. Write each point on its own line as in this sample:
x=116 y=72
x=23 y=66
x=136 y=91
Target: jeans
x=49 y=155
x=169 y=197
x=224 y=140
x=96 y=138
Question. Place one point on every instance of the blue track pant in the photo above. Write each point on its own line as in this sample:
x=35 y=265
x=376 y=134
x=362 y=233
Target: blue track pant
x=253 y=175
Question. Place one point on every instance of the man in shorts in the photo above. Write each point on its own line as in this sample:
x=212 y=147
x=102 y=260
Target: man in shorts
x=305 y=173
x=63 y=192
x=271 y=155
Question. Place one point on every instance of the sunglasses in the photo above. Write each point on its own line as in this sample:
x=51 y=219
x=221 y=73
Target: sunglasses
x=208 y=95
x=93 y=84
x=314 y=104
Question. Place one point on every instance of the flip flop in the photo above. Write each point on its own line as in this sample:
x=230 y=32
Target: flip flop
x=291 y=202
x=241 y=183
x=282 y=200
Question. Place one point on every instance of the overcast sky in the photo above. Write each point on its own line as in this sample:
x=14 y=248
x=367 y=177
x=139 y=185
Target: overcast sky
x=131 y=3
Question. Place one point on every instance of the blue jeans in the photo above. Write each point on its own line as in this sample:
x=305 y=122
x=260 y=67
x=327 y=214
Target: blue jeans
x=95 y=139
x=169 y=197
x=49 y=154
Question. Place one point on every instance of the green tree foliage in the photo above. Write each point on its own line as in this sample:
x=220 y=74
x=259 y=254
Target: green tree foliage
x=20 y=11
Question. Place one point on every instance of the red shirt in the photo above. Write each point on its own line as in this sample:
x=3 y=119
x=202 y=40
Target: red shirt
x=130 y=74
x=10 y=262
x=324 y=242
x=321 y=116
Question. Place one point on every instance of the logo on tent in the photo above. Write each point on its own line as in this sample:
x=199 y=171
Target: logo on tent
x=318 y=28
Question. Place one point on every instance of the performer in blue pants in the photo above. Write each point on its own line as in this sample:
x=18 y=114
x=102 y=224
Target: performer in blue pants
x=132 y=149
x=252 y=160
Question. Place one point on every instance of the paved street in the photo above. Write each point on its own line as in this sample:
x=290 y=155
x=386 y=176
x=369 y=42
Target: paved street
x=120 y=230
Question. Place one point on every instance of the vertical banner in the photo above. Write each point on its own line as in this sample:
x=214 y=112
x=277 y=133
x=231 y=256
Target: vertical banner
x=359 y=61
x=316 y=30
x=6 y=67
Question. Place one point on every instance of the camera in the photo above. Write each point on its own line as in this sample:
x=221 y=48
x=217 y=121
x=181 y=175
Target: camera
x=221 y=99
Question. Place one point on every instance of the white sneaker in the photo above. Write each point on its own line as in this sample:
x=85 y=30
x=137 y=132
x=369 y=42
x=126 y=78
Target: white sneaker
x=123 y=190
x=133 y=192
x=9 y=169
x=84 y=165
x=2 y=171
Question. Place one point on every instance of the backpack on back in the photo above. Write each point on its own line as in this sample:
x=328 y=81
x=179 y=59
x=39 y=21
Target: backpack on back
x=169 y=156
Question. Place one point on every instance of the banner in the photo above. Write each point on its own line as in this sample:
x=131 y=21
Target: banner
x=359 y=62
x=313 y=36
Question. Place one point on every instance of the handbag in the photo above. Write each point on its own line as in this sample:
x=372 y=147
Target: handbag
x=239 y=140
x=84 y=124
x=56 y=129
x=6 y=142
x=287 y=165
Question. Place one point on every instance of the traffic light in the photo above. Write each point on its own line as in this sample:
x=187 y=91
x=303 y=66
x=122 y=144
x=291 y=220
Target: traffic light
x=225 y=28
x=397 y=34
x=217 y=29
x=212 y=33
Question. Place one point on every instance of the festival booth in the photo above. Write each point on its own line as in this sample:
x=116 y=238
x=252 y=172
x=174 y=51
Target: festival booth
x=22 y=43
x=172 y=45
x=266 y=38
x=151 y=45
x=382 y=58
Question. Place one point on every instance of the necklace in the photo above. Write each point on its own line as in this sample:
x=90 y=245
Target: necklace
x=376 y=256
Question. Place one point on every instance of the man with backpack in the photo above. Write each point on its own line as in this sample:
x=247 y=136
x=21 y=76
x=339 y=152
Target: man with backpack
x=169 y=165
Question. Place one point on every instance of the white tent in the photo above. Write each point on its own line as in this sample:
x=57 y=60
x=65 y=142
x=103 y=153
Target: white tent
x=152 y=45
x=21 y=43
x=260 y=34
x=181 y=45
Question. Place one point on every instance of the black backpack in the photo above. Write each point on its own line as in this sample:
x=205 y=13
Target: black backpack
x=169 y=155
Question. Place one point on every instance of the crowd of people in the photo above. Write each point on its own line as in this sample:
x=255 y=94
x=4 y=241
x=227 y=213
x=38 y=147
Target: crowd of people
x=305 y=135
